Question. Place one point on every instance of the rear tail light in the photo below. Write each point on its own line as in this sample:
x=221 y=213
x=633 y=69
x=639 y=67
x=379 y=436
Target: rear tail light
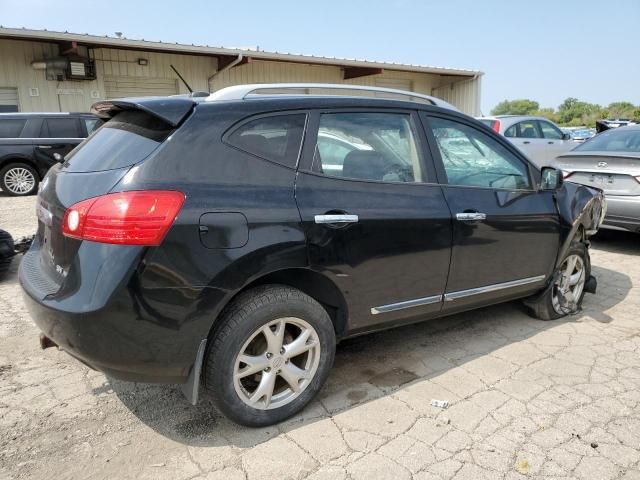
x=566 y=174
x=637 y=178
x=496 y=126
x=126 y=218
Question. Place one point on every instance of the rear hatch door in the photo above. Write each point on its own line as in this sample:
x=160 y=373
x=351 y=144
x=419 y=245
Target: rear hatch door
x=90 y=170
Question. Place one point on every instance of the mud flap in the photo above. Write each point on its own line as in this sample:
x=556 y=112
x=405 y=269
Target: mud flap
x=191 y=388
x=591 y=284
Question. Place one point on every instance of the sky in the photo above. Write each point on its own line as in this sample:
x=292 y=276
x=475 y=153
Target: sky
x=544 y=50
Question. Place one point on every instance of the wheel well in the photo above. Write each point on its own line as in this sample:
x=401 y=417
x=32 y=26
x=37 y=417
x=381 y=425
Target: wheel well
x=314 y=284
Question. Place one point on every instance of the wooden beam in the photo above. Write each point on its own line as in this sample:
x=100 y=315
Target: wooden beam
x=356 y=72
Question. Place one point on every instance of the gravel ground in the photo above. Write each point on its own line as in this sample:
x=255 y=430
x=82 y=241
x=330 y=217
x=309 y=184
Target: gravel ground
x=528 y=399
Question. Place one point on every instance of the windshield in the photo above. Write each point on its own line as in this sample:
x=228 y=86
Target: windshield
x=619 y=140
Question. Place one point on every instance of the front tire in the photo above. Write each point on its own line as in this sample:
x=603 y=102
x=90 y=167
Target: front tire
x=19 y=180
x=564 y=295
x=270 y=355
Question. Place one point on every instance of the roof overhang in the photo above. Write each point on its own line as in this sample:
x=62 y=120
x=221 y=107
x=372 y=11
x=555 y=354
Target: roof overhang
x=353 y=68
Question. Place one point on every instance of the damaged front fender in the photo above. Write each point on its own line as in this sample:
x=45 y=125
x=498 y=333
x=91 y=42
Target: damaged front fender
x=581 y=210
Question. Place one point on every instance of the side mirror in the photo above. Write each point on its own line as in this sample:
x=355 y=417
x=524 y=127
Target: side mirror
x=567 y=136
x=551 y=178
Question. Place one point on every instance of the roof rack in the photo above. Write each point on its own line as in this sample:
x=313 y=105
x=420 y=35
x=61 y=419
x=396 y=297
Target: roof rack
x=241 y=92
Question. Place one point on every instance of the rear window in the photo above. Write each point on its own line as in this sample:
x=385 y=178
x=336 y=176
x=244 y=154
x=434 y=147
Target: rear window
x=276 y=138
x=11 y=127
x=622 y=140
x=128 y=138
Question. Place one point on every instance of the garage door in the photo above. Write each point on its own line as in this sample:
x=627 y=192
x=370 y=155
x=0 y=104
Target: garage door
x=8 y=99
x=118 y=87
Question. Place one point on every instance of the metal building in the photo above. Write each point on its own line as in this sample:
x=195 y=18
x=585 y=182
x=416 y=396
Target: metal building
x=59 y=71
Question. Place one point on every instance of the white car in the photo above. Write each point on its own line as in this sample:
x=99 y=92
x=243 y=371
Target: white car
x=540 y=139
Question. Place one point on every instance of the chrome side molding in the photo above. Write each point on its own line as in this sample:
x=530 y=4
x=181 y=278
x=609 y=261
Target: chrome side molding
x=417 y=302
x=449 y=297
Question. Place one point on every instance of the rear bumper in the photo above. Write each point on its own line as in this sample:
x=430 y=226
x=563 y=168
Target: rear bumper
x=623 y=212
x=126 y=332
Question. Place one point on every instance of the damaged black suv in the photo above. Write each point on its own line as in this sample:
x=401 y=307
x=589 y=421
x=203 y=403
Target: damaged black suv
x=232 y=240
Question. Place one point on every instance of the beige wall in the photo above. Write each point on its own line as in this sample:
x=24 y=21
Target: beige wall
x=16 y=71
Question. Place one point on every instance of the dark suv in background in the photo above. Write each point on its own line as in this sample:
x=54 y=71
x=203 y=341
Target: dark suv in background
x=31 y=143
x=232 y=240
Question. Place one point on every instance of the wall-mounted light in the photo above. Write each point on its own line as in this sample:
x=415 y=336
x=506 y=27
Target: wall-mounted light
x=143 y=61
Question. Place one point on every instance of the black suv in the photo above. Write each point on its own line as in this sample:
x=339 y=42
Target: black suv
x=233 y=240
x=30 y=143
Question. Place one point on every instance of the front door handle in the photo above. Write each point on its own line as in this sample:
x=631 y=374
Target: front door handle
x=550 y=143
x=44 y=146
x=470 y=216
x=328 y=219
x=526 y=142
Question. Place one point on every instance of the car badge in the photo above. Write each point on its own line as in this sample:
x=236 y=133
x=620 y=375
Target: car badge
x=602 y=164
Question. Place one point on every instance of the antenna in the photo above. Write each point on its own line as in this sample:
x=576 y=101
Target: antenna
x=183 y=80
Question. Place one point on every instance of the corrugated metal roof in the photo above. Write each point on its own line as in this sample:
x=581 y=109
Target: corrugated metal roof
x=142 y=44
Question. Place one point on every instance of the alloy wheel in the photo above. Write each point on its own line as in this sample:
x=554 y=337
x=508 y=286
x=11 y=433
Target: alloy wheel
x=569 y=285
x=277 y=363
x=19 y=180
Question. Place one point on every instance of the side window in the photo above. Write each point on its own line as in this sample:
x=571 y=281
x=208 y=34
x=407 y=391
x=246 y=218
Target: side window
x=528 y=129
x=550 y=131
x=11 y=128
x=276 y=138
x=92 y=124
x=368 y=146
x=512 y=131
x=60 y=128
x=473 y=158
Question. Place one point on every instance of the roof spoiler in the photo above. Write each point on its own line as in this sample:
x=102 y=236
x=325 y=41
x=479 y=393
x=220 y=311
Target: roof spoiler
x=169 y=109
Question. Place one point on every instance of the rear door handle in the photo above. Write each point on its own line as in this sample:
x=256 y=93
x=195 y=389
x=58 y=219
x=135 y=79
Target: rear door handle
x=325 y=219
x=526 y=142
x=44 y=146
x=550 y=143
x=470 y=216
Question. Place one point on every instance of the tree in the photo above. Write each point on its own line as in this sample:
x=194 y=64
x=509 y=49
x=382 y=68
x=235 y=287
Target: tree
x=575 y=112
x=621 y=110
x=521 y=106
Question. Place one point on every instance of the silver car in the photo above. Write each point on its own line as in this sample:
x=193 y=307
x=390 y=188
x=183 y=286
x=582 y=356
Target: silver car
x=540 y=139
x=610 y=161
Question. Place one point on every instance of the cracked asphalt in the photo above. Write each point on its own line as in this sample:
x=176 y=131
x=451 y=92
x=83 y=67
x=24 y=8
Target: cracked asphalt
x=528 y=399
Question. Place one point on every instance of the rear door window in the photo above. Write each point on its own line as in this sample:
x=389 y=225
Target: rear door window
x=11 y=127
x=371 y=146
x=60 y=128
x=128 y=138
x=276 y=138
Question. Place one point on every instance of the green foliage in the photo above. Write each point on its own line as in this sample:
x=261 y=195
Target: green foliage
x=516 y=107
x=571 y=112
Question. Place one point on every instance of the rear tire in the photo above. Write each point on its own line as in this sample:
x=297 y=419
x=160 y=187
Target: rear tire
x=552 y=303
x=19 y=180
x=267 y=326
